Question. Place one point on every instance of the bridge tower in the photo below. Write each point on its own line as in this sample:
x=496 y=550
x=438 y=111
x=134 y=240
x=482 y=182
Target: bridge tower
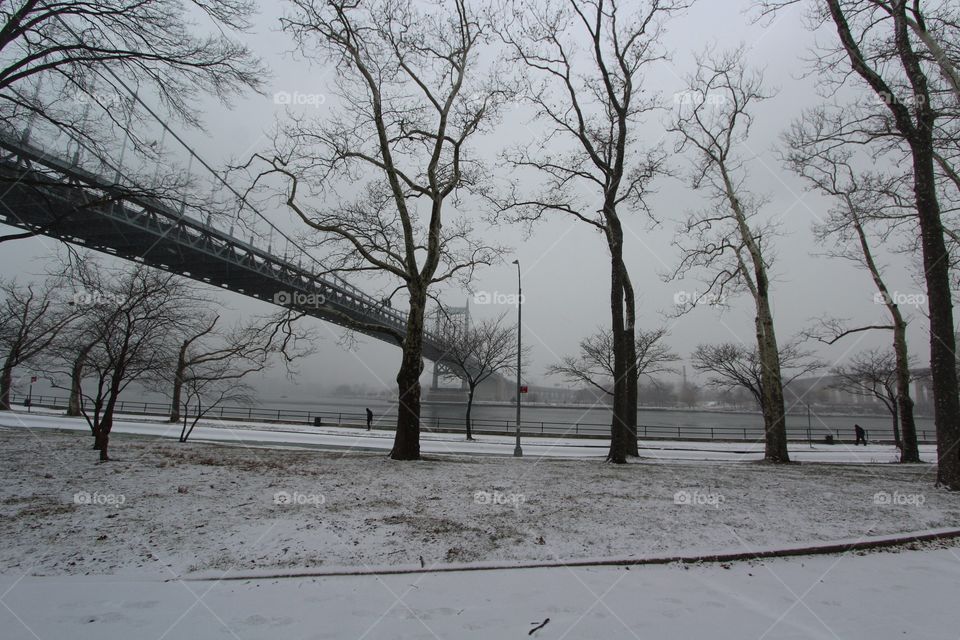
x=451 y=321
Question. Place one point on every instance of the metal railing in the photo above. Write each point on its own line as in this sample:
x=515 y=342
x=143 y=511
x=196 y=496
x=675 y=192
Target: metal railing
x=479 y=425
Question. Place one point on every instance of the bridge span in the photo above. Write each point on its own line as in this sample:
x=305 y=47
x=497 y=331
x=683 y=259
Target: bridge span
x=42 y=193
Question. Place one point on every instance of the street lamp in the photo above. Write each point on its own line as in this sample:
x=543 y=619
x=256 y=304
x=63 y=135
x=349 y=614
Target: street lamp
x=517 y=451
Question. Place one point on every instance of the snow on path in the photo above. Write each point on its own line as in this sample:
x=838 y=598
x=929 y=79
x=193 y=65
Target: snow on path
x=877 y=596
x=340 y=438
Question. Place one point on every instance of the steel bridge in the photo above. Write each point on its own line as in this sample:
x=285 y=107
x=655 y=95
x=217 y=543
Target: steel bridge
x=44 y=194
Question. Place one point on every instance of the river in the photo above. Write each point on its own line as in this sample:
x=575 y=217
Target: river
x=586 y=420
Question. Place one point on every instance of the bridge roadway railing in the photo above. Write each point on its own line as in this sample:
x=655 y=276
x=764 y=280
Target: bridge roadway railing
x=64 y=201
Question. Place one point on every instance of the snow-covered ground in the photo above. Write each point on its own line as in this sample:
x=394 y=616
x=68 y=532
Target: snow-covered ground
x=139 y=547
x=877 y=596
x=161 y=506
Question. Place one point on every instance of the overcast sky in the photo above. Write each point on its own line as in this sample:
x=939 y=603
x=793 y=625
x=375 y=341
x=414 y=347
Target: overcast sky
x=565 y=264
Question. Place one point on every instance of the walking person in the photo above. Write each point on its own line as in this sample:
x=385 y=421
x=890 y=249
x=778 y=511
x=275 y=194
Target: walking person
x=861 y=435
x=369 y=418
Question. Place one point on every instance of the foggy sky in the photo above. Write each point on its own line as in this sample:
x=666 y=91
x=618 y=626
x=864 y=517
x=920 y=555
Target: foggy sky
x=565 y=263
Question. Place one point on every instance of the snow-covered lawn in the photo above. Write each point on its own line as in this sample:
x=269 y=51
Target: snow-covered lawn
x=136 y=548
x=162 y=508
x=877 y=596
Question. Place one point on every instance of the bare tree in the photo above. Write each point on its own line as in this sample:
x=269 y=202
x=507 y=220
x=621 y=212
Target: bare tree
x=203 y=395
x=73 y=349
x=594 y=365
x=733 y=366
x=876 y=49
x=31 y=318
x=478 y=352
x=874 y=374
x=101 y=70
x=88 y=49
x=590 y=161
x=728 y=241
x=139 y=311
x=862 y=199
x=93 y=298
x=377 y=183
x=208 y=355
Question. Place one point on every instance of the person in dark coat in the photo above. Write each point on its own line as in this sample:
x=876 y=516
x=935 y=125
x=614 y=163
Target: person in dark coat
x=861 y=435
x=369 y=418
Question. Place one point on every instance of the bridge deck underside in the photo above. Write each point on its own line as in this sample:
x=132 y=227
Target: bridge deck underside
x=183 y=246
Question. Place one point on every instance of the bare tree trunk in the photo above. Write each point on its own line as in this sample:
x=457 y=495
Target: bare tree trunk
x=898 y=441
x=178 y=382
x=774 y=414
x=76 y=381
x=105 y=425
x=406 y=443
x=943 y=367
x=101 y=435
x=909 y=451
x=633 y=375
x=771 y=379
x=6 y=382
x=618 y=427
x=469 y=409
x=76 y=375
x=187 y=430
x=917 y=132
x=936 y=266
x=905 y=429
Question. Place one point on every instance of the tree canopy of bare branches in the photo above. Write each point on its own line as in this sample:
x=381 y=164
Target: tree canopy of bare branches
x=32 y=316
x=90 y=69
x=874 y=374
x=211 y=359
x=593 y=366
x=132 y=317
x=900 y=55
x=865 y=212
x=382 y=183
x=590 y=162
x=729 y=241
x=733 y=365
x=87 y=47
x=478 y=351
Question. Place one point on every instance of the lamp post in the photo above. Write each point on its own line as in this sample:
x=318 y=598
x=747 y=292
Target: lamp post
x=33 y=379
x=517 y=450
